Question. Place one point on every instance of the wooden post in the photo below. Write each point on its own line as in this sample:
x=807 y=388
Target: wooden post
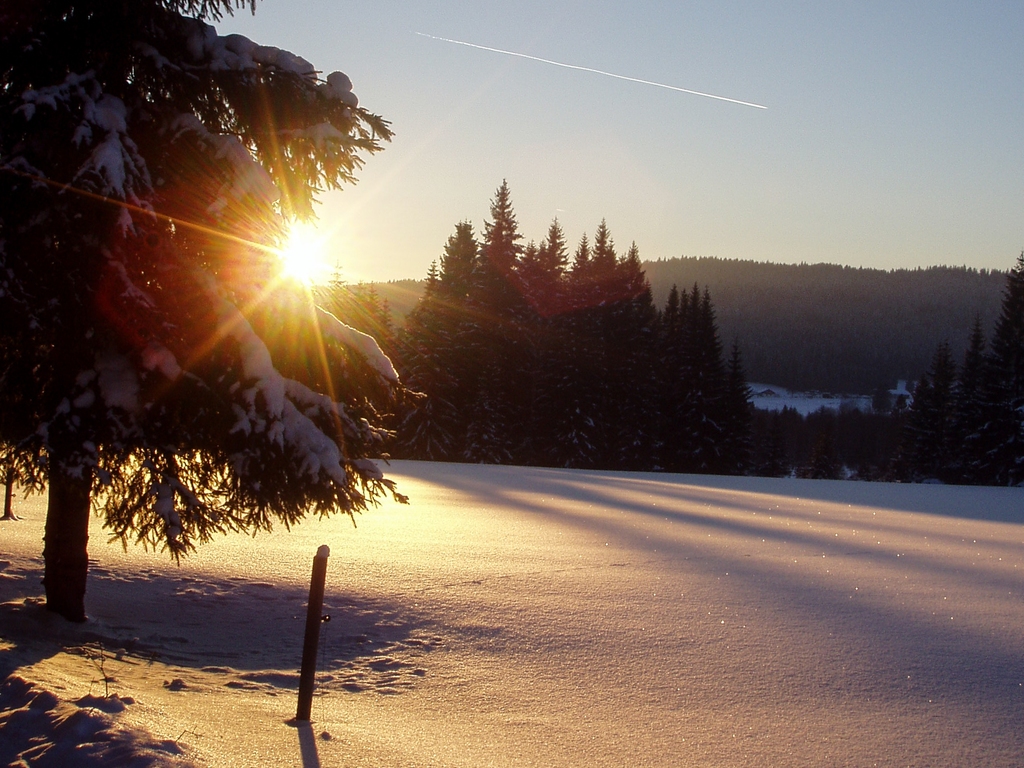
x=307 y=676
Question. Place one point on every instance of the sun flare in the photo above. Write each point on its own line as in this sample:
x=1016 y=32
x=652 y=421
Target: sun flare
x=304 y=257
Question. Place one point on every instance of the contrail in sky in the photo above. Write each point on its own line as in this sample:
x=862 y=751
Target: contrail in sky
x=595 y=71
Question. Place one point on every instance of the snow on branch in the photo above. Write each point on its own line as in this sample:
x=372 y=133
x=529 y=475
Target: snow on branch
x=115 y=159
x=157 y=357
x=129 y=289
x=338 y=86
x=118 y=381
x=238 y=53
x=364 y=344
x=282 y=420
x=247 y=179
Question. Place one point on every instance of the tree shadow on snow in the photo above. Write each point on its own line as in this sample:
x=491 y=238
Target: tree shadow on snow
x=249 y=634
x=990 y=503
x=853 y=640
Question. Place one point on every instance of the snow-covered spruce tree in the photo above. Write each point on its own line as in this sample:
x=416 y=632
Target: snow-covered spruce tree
x=159 y=366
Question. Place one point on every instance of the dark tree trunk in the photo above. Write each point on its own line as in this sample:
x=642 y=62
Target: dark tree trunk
x=9 y=495
x=66 y=542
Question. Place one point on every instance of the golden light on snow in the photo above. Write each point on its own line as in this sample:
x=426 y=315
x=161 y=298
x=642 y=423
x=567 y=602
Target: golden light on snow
x=553 y=617
x=304 y=255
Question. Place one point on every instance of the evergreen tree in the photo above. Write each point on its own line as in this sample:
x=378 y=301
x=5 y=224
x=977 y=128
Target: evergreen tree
x=546 y=292
x=427 y=426
x=672 y=379
x=699 y=431
x=575 y=402
x=568 y=374
x=603 y=265
x=968 y=411
x=631 y=392
x=16 y=469
x=530 y=271
x=161 y=366
x=737 y=417
x=580 y=291
x=928 y=432
x=458 y=267
x=436 y=359
x=9 y=478
x=776 y=463
x=496 y=341
x=501 y=248
x=706 y=414
x=1003 y=433
x=825 y=464
x=546 y=287
x=573 y=441
x=881 y=400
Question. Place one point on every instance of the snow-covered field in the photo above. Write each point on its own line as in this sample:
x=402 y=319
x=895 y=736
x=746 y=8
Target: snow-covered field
x=770 y=397
x=536 y=617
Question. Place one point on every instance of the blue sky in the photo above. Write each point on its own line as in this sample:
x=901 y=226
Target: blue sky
x=893 y=135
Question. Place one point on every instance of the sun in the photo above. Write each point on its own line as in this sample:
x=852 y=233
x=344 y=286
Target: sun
x=304 y=257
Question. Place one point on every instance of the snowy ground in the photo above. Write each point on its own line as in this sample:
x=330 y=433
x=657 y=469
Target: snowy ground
x=535 y=617
x=769 y=397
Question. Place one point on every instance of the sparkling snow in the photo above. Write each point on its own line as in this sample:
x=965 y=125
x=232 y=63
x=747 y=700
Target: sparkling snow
x=537 y=617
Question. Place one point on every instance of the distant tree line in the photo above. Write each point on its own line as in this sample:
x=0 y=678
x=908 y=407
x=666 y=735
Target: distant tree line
x=838 y=329
x=822 y=327
x=966 y=422
x=527 y=355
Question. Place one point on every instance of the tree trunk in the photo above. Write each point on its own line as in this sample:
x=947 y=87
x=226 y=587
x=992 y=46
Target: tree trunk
x=65 y=553
x=9 y=495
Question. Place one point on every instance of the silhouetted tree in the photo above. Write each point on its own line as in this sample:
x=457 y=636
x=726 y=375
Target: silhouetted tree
x=438 y=358
x=737 y=409
x=825 y=464
x=630 y=336
x=929 y=430
x=776 y=463
x=160 y=363
x=969 y=411
x=496 y=341
x=1003 y=433
x=707 y=415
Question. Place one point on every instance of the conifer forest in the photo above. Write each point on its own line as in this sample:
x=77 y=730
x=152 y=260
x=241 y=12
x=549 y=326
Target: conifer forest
x=554 y=354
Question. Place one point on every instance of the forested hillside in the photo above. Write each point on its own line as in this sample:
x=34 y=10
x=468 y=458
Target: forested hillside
x=828 y=327
x=526 y=355
x=821 y=326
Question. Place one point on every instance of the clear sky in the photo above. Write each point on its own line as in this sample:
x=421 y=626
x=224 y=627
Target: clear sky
x=894 y=134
